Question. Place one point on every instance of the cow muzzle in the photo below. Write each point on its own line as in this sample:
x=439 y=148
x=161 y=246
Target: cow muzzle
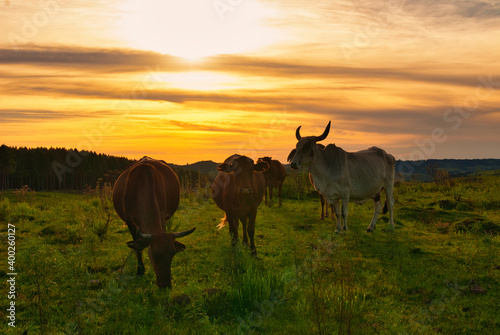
x=246 y=190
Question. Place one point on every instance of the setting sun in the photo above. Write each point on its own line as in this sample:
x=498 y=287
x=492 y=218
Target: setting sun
x=193 y=29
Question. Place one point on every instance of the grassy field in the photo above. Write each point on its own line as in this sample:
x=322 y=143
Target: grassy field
x=437 y=272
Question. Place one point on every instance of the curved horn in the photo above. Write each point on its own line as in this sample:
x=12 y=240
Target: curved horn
x=325 y=133
x=144 y=236
x=297 y=133
x=184 y=233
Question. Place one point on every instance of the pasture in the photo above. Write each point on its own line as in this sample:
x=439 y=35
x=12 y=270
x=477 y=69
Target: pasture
x=437 y=272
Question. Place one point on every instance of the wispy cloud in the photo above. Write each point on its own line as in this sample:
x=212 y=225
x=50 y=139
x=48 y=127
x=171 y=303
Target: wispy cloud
x=18 y=115
x=112 y=60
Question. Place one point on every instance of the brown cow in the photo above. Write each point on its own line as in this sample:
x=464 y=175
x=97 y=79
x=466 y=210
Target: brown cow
x=145 y=196
x=275 y=176
x=238 y=190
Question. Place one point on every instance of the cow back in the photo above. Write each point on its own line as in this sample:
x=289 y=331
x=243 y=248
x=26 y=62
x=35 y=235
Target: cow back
x=146 y=195
x=276 y=173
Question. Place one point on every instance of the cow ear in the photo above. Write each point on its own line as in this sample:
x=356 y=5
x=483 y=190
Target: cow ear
x=179 y=246
x=291 y=155
x=260 y=166
x=224 y=167
x=139 y=244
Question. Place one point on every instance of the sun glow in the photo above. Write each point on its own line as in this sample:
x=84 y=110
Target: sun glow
x=199 y=80
x=194 y=29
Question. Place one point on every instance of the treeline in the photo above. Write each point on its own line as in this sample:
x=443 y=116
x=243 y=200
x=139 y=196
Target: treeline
x=49 y=169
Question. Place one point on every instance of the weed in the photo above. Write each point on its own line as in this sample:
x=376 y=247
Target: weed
x=99 y=214
x=5 y=208
x=25 y=193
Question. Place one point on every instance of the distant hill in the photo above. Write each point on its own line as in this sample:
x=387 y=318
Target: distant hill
x=456 y=167
x=208 y=167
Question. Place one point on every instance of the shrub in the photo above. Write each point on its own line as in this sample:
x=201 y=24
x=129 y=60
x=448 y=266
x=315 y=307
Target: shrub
x=23 y=211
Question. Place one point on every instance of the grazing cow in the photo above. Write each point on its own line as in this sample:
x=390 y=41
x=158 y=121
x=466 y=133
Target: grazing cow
x=347 y=176
x=145 y=196
x=238 y=190
x=275 y=176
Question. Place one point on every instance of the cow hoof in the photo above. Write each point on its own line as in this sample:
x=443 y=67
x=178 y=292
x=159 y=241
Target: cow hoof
x=369 y=230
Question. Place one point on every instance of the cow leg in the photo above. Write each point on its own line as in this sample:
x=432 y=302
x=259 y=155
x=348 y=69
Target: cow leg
x=390 y=204
x=345 y=208
x=377 y=204
x=265 y=195
x=251 y=231
x=336 y=207
x=270 y=194
x=323 y=201
x=280 y=188
x=138 y=254
x=140 y=265
x=233 y=228
x=245 y=234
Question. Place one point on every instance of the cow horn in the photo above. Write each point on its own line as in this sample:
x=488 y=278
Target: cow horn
x=297 y=133
x=145 y=236
x=184 y=233
x=325 y=133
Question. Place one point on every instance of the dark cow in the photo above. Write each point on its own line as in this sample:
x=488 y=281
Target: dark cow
x=275 y=176
x=238 y=190
x=145 y=196
x=347 y=176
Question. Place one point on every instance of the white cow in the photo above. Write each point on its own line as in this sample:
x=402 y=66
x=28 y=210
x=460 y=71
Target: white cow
x=347 y=176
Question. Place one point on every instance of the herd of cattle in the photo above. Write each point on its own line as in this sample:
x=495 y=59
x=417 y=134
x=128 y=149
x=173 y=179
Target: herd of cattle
x=147 y=193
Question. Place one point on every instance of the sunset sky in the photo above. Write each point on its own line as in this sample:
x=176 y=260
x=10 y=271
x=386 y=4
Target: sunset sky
x=186 y=80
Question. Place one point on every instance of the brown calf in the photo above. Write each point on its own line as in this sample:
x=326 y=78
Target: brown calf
x=275 y=176
x=238 y=190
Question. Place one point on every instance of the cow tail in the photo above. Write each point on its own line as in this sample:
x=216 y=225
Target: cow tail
x=222 y=223
x=385 y=209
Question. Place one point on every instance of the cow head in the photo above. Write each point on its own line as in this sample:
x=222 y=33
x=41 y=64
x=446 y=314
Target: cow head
x=243 y=167
x=162 y=249
x=303 y=154
x=266 y=159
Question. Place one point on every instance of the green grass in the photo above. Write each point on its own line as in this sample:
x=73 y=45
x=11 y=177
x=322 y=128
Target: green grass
x=437 y=272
